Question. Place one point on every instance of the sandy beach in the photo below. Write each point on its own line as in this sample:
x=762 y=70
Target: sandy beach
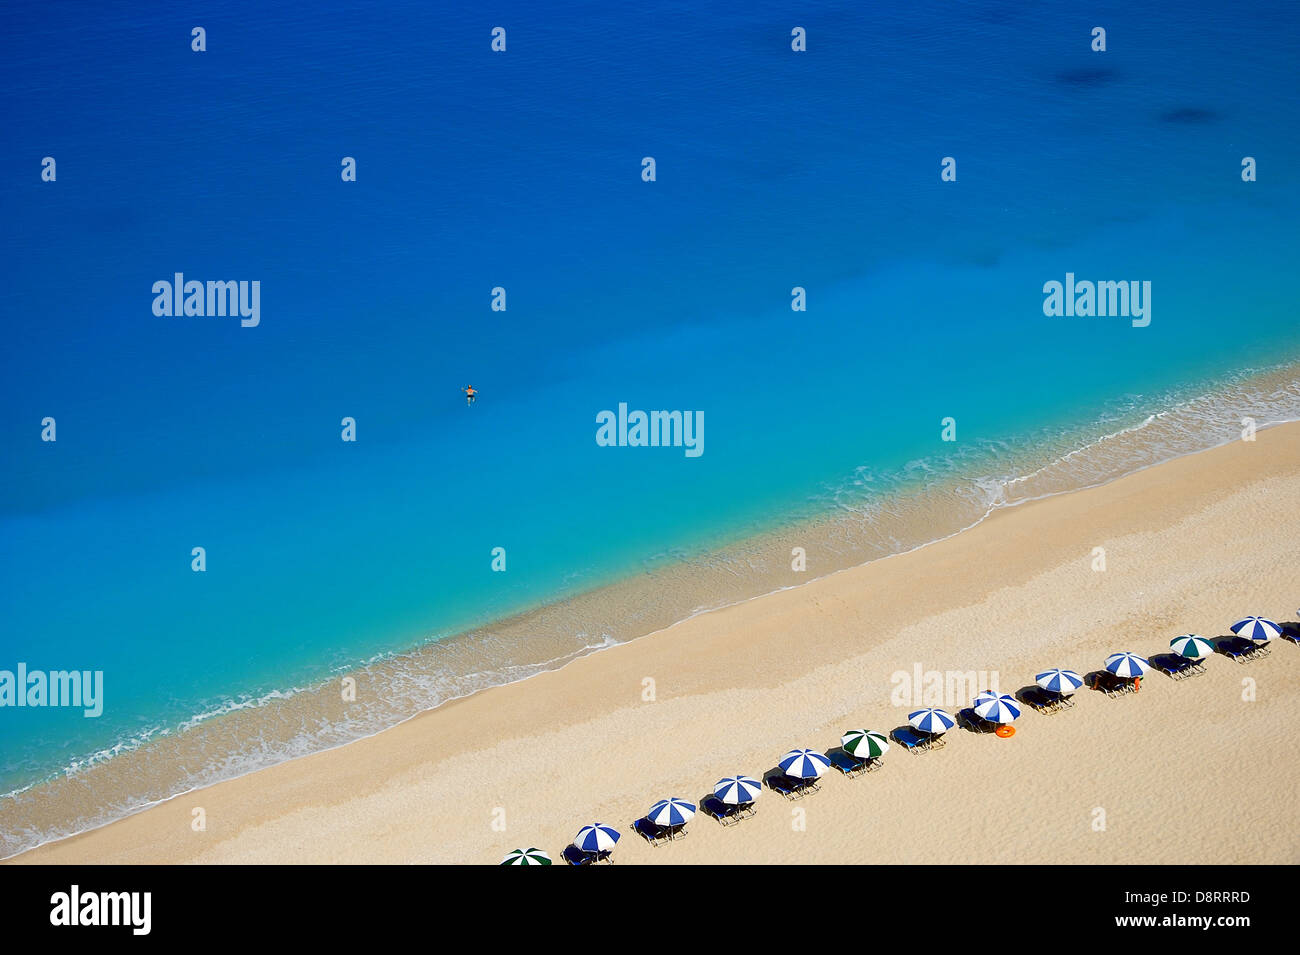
x=1195 y=771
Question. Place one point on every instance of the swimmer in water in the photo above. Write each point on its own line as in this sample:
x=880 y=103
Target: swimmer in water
x=470 y=394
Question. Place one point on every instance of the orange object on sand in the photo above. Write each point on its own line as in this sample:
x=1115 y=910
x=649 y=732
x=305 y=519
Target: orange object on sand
x=1137 y=684
x=1006 y=731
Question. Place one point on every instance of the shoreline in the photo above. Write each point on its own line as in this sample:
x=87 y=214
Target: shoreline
x=399 y=687
x=472 y=728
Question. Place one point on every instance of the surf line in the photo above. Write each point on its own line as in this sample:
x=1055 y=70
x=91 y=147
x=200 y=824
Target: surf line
x=653 y=429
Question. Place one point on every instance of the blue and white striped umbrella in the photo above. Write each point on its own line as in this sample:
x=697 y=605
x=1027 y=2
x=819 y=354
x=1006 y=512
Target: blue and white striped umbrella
x=804 y=763
x=1127 y=664
x=1060 y=681
x=931 y=720
x=737 y=790
x=996 y=707
x=1257 y=628
x=671 y=812
x=596 y=838
x=1190 y=645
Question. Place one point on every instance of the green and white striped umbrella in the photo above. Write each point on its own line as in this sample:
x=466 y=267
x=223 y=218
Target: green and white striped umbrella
x=1190 y=645
x=526 y=857
x=864 y=744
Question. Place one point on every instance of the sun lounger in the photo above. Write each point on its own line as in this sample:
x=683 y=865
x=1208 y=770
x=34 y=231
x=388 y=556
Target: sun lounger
x=790 y=787
x=872 y=763
x=1195 y=667
x=847 y=763
x=1232 y=648
x=974 y=722
x=726 y=813
x=1291 y=631
x=935 y=741
x=1040 y=700
x=1058 y=701
x=1112 y=685
x=1250 y=650
x=572 y=855
x=1176 y=667
x=909 y=739
x=1241 y=649
x=783 y=785
x=650 y=832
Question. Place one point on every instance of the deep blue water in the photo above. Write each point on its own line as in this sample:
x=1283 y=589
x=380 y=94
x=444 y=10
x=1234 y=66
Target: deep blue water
x=522 y=170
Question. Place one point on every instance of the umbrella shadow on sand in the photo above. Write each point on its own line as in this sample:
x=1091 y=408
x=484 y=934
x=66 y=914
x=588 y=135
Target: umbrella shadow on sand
x=715 y=808
x=775 y=775
x=972 y=722
x=1103 y=681
x=652 y=832
x=791 y=787
x=1164 y=662
x=1033 y=695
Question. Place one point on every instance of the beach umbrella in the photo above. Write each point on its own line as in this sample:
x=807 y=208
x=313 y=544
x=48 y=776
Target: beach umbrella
x=1127 y=664
x=1257 y=628
x=596 y=838
x=738 y=790
x=931 y=720
x=864 y=744
x=996 y=707
x=804 y=763
x=671 y=812
x=1190 y=645
x=1064 y=682
x=526 y=857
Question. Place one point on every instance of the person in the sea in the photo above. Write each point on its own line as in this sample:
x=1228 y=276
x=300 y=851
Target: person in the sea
x=470 y=394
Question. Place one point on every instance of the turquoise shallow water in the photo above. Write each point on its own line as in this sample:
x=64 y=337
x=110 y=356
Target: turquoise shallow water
x=521 y=170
